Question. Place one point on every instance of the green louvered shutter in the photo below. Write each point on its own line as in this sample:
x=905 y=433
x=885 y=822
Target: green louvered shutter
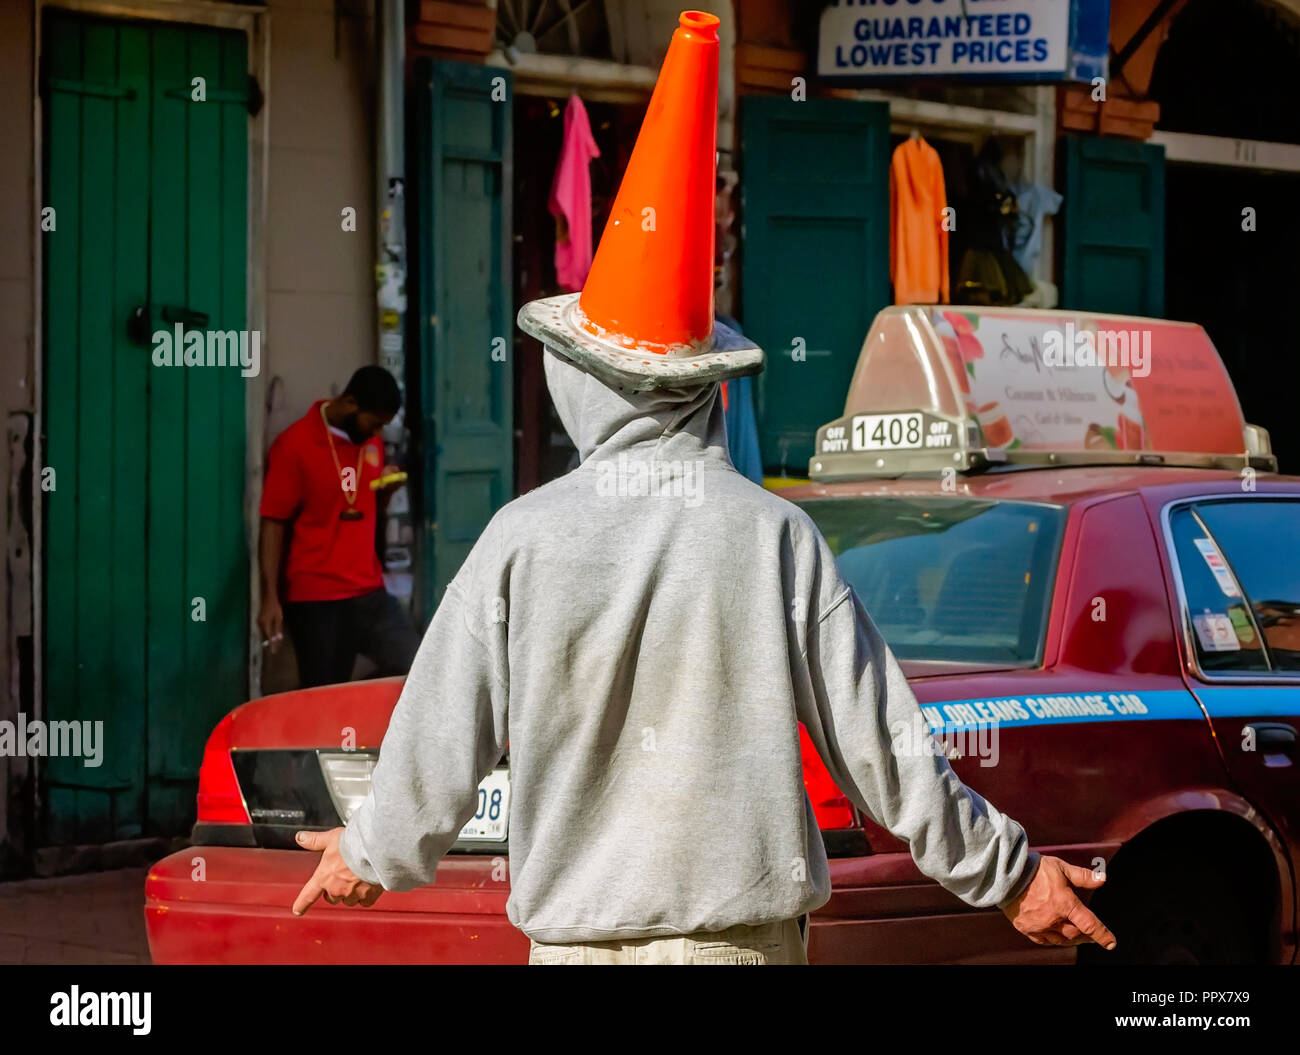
x=466 y=366
x=149 y=190
x=1113 y=226
x=815 y=257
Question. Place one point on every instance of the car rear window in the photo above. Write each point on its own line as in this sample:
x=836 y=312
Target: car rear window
x=1237 y=560
x=950 y=579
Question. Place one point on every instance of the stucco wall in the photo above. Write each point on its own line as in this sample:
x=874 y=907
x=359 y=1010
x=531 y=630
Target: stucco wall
x=320 y=290
x=17 y=211
x=319 y=281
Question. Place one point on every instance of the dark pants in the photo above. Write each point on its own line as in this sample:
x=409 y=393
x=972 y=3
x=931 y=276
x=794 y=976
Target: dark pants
x=327 y=635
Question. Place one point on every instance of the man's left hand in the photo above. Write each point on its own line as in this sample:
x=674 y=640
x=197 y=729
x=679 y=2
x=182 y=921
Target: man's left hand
x=332 y=879
x=1049 y=912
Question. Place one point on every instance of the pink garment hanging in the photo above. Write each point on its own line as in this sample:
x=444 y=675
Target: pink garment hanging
x=571 y=197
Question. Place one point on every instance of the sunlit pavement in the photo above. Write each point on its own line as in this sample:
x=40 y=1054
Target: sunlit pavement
x=97 y=918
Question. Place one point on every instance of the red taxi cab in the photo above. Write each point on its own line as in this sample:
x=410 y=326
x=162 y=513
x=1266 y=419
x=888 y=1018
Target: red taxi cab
x=1085 y=562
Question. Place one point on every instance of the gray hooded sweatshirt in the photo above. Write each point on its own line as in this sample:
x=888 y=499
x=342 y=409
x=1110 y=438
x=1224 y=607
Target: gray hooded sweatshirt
x=645 y=634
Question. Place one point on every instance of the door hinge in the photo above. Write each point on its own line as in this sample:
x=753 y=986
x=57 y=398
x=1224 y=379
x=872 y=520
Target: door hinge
x=100 y=91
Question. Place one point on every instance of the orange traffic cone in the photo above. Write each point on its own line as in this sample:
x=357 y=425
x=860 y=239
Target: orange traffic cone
x=644 y=319
x=660 y=232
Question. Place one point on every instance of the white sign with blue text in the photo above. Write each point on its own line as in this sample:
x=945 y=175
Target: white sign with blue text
x=945 y=38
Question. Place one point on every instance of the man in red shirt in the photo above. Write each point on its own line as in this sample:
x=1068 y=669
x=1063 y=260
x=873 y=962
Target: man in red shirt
x=318 y=493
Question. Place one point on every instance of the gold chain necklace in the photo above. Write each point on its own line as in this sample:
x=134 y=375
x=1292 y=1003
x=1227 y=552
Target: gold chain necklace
x=350 y=496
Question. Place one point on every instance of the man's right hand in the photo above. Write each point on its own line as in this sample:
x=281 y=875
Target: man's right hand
x=270 y=620
x=1049 y=912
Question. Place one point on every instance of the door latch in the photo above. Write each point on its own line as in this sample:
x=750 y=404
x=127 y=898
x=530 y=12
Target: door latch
x=187 y=317
x=137 y=326
x=1275 y=741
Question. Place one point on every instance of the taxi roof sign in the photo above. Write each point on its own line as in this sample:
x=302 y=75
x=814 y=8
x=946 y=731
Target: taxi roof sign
x=960 y=387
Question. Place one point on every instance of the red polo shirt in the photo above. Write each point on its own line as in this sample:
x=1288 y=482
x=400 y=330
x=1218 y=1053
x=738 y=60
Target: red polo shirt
x=329 y=559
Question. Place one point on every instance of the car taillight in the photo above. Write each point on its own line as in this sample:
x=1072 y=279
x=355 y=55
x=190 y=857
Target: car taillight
x=220 y=800
x=347 y=775
x=832 y=808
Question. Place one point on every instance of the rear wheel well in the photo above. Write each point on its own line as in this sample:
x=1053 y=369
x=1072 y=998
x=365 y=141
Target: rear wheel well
x=1203 y=852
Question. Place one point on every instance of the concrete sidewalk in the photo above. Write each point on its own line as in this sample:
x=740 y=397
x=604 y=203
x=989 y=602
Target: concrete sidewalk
x=96 y=918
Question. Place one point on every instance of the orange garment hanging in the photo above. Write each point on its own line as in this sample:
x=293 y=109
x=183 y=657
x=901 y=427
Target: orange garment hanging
x=918 y=243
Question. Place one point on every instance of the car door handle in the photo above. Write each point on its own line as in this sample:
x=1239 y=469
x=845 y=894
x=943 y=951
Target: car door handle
x=1275 y=741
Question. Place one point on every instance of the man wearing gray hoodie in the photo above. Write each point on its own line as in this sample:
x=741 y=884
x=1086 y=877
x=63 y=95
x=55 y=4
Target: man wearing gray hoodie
x=647 y=632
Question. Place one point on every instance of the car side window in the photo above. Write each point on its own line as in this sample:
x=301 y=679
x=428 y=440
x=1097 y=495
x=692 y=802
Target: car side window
x=1222 y=628
x=1241 y=583
x=1260 y=539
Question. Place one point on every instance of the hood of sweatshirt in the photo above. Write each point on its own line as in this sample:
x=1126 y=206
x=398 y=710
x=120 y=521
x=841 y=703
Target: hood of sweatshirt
x=663 y=424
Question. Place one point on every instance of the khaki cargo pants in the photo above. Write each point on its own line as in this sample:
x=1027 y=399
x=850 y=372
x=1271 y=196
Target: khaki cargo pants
x=772 y=943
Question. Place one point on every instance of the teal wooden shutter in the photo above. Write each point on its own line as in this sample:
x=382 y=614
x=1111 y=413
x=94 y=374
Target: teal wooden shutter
x=96 y=548
x=1113 y=226
x=815 y=267
x=150 y=193
x=198 y=669
x=466 y=362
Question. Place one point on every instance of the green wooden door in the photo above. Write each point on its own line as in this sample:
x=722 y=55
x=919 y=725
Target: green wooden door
x=1113 y=226
x=815 y=266
x=145 y=560
x=466 y=334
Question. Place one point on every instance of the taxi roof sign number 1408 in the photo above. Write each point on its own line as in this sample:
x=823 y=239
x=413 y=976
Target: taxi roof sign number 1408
x=883 y=432
x=907 y=441
x=938 y=388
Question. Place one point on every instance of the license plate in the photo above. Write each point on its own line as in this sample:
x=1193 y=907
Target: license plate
x=886 y=432
x=491 y=815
